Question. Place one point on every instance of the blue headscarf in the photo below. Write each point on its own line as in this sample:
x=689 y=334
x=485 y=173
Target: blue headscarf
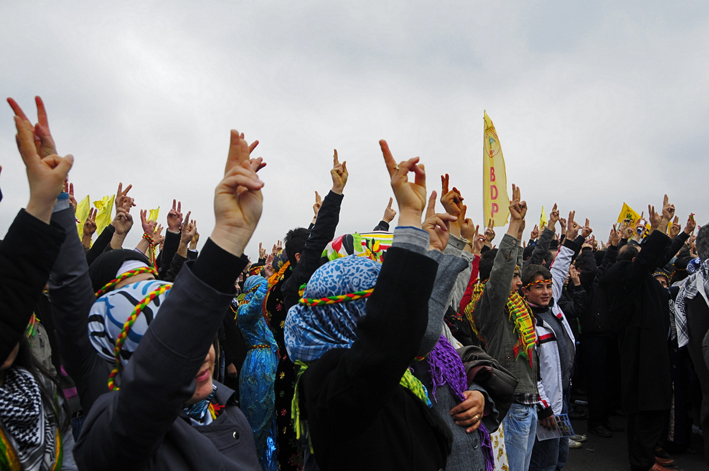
x=311 y=331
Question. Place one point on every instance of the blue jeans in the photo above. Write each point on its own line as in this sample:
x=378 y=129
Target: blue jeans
x=520 y=425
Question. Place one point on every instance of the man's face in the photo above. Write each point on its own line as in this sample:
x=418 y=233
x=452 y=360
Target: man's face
x=540 y=291
x=516 y=282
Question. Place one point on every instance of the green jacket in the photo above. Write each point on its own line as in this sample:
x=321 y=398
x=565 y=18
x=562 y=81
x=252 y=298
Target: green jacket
x=492 y=318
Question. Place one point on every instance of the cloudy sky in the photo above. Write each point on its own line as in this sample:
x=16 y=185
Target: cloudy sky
x=595 y=103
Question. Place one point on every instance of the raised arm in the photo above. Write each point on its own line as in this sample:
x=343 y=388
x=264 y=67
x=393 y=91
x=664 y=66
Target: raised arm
x=321 y=233
x=125 y=428
x=31 y=245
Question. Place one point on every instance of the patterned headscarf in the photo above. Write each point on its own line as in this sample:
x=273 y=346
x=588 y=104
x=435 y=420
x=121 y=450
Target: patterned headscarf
x=251 y=285
x=372 y=245
x=311 y=331
x=695 y=284
x=110 y=312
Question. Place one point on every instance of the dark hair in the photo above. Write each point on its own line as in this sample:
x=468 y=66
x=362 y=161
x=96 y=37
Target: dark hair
x=25 y=359
x=531 y=271
x=295 y=240
x=487 y=260
x=628 y=252
x=527 y=252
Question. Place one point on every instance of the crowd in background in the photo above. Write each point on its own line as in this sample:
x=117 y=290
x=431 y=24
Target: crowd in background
x=428 y=345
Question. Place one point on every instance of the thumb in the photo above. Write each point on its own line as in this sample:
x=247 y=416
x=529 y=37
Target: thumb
x=65 y=164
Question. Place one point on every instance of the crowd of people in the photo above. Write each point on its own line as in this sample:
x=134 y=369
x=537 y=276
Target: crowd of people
x=424 y=347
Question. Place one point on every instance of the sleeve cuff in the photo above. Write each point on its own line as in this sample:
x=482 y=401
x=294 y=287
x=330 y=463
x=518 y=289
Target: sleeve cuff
x=218 y=268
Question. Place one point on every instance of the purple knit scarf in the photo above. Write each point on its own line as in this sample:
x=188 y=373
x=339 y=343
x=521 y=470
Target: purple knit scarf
x=445 y=366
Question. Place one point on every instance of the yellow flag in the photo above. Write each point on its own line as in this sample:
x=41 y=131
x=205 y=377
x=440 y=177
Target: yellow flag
x=543 y=220
x=495 y=199
x=153 y=216
x=82 y=212
x=628 y=213
x=103 y=216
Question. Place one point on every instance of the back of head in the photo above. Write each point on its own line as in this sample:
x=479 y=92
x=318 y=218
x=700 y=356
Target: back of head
x=628 y=252
x=105 y=268
x=487 y=260
x=295 y=241
x=327 y=318
x=527 y=253
x=531 y=271
x=703 y=243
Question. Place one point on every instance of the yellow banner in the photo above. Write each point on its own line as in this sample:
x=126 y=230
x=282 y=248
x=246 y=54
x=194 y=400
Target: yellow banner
x=153 y=216
x=103 y=216
x=628 y=213
x=495 y=200
x=82 y=212
x=542 y=220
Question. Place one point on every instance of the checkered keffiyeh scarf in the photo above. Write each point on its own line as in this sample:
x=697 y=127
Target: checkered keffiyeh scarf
x=696 y=283
x=22 y=416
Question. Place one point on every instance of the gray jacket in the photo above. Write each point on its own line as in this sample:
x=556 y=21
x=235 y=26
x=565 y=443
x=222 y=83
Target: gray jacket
x=492 y=318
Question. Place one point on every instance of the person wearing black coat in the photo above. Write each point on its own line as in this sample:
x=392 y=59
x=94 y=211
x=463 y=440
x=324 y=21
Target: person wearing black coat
x=640 y=306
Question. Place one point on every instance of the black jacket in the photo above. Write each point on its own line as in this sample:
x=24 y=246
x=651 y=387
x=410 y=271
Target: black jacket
x=27 y=254
x=640 y=306
x=358 y=415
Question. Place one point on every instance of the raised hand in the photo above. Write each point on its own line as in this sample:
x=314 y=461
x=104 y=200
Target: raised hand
x=195 y=237
x=90 y=223
x=614 y=236
x=188 y=230
x=655 y=217
x=174 y=217
x=489 y=233
x=42 y=137
x=562 y=225
x=317 y=205
x=261 y=251
x=668 y=210
x=238 y=201
x=389 y=212
x=518 y=208
x=46 y=175
x=572 y=230
x=586 y=229
x=148 y=226
x=410 y=196
x=122 y=195
x=553 y=218
x=535 y=233
x=691 y=224
x=437 y=225
x=675 y=228
x=468 y=230
x=452 y=200
x=339 y=174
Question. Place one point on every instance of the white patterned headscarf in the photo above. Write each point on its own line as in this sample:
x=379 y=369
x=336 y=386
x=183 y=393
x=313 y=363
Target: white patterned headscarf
x=696 y=283
x=110 y=312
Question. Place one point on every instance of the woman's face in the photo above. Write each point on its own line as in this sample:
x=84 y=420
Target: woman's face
x=204 y=378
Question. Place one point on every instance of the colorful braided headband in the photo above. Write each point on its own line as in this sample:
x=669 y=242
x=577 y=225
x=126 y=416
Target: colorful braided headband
x=111 y=284
x=341 y=298
x=538 y=282
x=120 y=340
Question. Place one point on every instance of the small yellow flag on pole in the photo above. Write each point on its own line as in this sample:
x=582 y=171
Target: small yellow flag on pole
x=495 y=199
x=628 y=213
x=153 y=216
x=103 y=216
x=82 y=212
x=543 y=220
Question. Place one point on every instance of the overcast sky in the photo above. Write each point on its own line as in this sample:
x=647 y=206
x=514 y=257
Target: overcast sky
x=595 y=103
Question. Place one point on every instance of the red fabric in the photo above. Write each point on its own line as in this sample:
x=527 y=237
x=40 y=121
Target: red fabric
x=469 y=290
